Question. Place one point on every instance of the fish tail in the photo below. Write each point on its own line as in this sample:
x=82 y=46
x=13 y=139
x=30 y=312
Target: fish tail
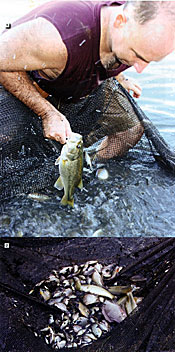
x=65 y=201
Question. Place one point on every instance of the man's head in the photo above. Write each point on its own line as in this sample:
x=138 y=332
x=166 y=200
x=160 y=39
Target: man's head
x=143 y=31
x=144 y=11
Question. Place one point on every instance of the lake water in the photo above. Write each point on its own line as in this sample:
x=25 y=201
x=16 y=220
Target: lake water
x=137 y=199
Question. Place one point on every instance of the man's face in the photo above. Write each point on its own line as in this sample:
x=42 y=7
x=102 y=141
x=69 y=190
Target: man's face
x=137 y=45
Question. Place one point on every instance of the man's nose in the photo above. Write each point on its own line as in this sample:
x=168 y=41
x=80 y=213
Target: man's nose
x=139 y=67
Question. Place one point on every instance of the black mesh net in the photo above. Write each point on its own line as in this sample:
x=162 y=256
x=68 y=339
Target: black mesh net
x=109 y=117
x=150 y=328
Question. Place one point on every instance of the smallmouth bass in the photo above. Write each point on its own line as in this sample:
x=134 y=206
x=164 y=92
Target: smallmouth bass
x=71 y=168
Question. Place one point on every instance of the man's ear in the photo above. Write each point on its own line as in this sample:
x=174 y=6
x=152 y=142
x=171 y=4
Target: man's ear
x=120 y=20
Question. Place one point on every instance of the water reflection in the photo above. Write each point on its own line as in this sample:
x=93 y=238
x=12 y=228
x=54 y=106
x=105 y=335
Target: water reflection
x=157 y=99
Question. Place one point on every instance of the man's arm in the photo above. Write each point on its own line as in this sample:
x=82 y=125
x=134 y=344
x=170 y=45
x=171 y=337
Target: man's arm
x=34 y=45
x=55 y=125
x=25 y=49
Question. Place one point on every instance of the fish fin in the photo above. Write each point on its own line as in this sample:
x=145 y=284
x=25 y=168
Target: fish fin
x=88 y=160
x=57 y=161
x=58 y=184
x=64 y=161
x=65 y=201
x=80 y=185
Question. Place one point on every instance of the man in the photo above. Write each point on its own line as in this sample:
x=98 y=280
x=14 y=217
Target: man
x=66 y=49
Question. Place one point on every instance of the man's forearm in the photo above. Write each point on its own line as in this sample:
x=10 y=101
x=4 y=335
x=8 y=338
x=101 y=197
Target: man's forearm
x=55 y=124
x=20 y=85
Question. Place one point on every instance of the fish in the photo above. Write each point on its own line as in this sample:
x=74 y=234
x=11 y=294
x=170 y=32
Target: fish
x=38 y=197
x=116 y=270
x=130 y=303
x=83 y=309
x=136 y=278
x=87 y=306
x=90 y=299
x=96 y=277
x=117 y=290
x=106 y=271
x=113 y=312
x=45 y=294
x=71 y=168
x=96 y=290
x=102 y=174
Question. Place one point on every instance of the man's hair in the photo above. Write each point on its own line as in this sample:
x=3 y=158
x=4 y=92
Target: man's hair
x=145 y=11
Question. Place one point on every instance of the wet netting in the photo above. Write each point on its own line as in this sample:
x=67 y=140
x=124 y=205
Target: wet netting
x=149 y=328
x=108 y=119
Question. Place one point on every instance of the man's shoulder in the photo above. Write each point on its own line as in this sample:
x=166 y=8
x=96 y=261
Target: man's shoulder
x=71 y=17
x=68 y=4
x=62 y=10
x=60 y=13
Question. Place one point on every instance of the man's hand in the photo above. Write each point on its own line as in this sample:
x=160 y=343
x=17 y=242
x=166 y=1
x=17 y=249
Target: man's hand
x=56 y=126
x=129 y=84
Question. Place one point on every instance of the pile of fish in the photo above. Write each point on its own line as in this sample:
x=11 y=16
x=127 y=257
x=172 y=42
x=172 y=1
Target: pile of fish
x=88 y=305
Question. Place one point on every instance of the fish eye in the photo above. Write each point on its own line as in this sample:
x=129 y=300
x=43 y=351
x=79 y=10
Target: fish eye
x=79 y=145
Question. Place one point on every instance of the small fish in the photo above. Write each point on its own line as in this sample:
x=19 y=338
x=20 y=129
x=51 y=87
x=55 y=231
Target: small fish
x=65 y=270
x=102 y=174
x=88 y=161
x=96 y=330
x=53 y=278
x=71 y=168
x=59 y=305
x=38 y=197
x=138 y=278
x=82 y=321
x=91 y=336
x=76 y=328
x=45 y=294
x=96 y=277
x=87 y=339
x=61 y=344
x=116 y=270
x=51 y=319
x=104 y=325
x=113 y=312
x=98 y=267
x=117 y=290
x=96 y=290
x=90 y=299
x=138 y=299
x=98 y=233
x=83 y=310
x=106 y=271
x=130 y=303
